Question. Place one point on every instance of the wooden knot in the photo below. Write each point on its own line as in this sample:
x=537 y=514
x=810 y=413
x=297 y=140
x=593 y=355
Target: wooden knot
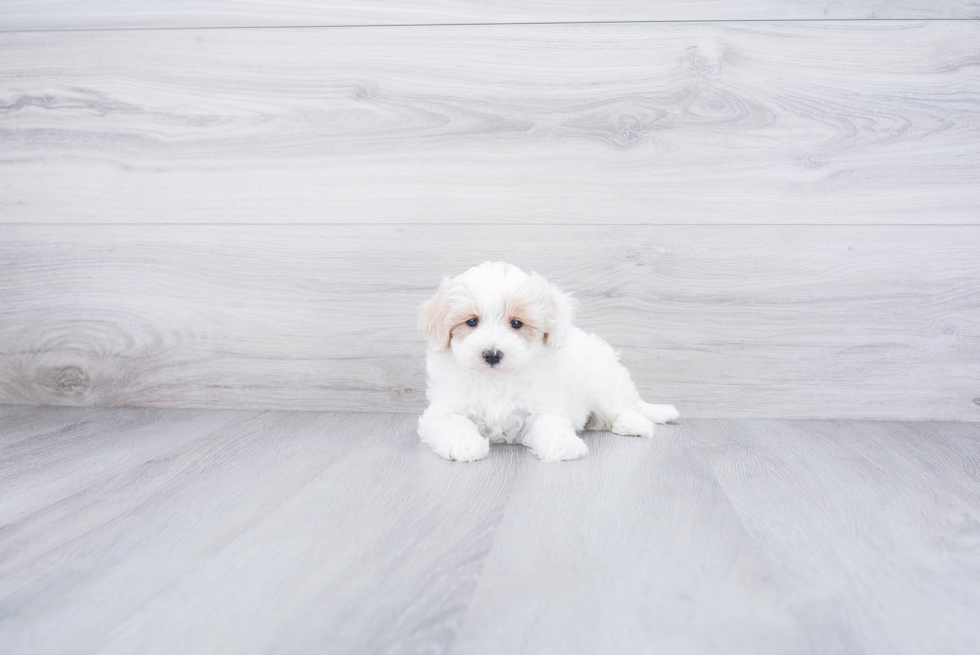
x=67 y=381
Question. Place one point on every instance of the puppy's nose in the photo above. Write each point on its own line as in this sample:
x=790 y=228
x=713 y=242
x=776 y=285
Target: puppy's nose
x=492 y=356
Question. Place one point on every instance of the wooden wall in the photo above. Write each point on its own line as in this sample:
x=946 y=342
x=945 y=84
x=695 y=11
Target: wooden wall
x=771 y=208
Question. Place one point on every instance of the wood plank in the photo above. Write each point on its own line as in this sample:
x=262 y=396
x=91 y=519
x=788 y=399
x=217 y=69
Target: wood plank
x=77 y=459
x=19 y=422
x=633 y=549
x=197 y=531
x=878 y=521
x=299 y=532
x=117 y=14
x=778 y=321
x=799 y=122
x=741 y=537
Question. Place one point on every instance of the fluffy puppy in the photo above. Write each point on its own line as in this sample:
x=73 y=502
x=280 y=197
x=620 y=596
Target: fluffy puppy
x=506 y=365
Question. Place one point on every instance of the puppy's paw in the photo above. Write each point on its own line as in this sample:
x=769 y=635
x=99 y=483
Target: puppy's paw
x=558 y=446
x=632 y=424
x=466 y=448
x=454 y=438
x=658 y=413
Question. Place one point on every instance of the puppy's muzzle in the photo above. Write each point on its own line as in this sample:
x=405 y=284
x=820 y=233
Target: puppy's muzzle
x=492 y=356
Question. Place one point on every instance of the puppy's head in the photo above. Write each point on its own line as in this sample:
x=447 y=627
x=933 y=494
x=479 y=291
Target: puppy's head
x=496 y=317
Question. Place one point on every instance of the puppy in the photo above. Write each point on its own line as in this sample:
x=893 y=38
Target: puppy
x=506 y=365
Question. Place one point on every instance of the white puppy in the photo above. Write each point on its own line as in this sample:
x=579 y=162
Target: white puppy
x=506 y=365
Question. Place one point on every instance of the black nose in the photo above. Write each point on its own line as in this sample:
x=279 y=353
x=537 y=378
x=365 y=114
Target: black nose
x=492 y=356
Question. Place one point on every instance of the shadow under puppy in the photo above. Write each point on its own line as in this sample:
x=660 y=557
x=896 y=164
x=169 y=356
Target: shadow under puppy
x=506 y=365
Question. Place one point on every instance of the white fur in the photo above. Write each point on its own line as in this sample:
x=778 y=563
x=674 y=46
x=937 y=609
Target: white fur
x=543 y=390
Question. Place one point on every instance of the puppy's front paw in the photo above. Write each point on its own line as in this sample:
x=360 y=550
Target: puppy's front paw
x=455 y=438
x=466 y=448
x=460 y=447
x=558 y=446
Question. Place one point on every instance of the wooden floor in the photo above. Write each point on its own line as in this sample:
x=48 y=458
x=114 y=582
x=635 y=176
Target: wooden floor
x=204 y=531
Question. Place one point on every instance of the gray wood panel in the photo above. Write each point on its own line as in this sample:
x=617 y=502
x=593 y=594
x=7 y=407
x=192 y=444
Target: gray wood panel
x=198 y=531
x=115 y=14
x=899 y=502
x=635 y=550
x=777 y=321
x=799 y=122
x=741 y=537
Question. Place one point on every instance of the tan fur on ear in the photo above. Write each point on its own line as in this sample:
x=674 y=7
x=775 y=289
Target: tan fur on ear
x=561 y=311
x=434 y=319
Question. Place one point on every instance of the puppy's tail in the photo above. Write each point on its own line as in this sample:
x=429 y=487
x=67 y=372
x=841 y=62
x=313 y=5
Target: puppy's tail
x=657 y=413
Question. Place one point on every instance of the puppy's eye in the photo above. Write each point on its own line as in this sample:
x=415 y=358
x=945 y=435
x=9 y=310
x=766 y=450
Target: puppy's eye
x=516 y=324
x=473 y=322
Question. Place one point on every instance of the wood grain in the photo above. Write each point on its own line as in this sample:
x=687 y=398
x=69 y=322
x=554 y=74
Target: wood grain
x=116 y=14
x=742 y=537
x=634 y=549
x=900 y=501
x=777 y=321
x=797 y=122
x=199 y=531
x=254 y=529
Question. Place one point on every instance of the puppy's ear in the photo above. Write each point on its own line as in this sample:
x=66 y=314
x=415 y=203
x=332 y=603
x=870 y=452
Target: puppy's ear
x=561 y=312
x=434 y=319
